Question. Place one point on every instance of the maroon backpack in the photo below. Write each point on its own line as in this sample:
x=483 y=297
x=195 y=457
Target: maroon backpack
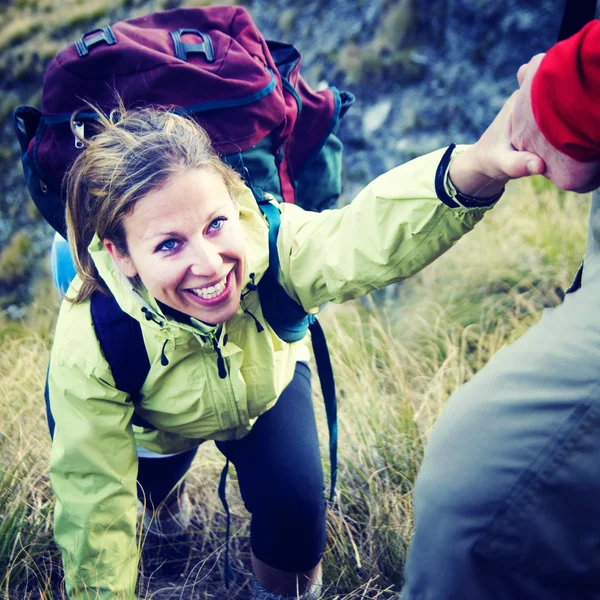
x=212 y=63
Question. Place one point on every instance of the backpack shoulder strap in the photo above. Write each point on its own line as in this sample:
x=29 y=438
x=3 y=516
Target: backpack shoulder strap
x=290 y=322
x=325 y=371
x=287 y=318
x=122 y=343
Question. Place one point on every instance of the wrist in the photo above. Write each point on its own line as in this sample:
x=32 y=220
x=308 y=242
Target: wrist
x=470 y=179
x=452 y=196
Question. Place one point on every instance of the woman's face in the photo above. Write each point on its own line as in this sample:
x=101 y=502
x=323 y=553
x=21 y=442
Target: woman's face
x=186 y=244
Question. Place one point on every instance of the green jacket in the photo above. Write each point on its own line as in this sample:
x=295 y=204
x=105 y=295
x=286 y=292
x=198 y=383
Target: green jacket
x=392 y=229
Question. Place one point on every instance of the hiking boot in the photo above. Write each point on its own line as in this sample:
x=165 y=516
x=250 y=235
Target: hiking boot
x=312 y=593
x=167 y=542
x=171 y=519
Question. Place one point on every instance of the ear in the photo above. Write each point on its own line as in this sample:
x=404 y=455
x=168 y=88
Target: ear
x=123 y=262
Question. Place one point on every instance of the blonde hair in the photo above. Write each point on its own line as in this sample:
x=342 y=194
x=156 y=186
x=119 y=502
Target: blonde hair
x=133 y=153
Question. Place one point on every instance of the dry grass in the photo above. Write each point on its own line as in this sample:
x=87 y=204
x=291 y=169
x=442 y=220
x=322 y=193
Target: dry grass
x=395 y=367
x=23 y=23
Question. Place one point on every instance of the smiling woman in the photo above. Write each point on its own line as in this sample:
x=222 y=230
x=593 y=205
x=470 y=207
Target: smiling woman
x=159 y=222
x=186 y=244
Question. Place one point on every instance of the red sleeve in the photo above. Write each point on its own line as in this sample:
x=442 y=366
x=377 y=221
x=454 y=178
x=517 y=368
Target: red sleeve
x=565 y=95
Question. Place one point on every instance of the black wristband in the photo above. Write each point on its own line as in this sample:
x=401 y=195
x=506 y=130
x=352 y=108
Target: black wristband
x=460 y=200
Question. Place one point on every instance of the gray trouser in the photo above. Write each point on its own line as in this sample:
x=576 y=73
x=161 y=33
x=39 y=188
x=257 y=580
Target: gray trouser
x=507 y=502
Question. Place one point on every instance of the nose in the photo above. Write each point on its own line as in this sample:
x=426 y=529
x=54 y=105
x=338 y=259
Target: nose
x=206 y=260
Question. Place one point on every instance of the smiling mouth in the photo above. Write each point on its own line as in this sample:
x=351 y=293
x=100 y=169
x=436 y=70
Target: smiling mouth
x=214 y=293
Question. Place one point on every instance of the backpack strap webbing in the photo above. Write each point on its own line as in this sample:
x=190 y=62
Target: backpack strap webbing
x=122 y=343
x=576 y=14
x=325 y=371
x=290 y=322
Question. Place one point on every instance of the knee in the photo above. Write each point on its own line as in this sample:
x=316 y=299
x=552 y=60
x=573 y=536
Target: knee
x=301 y=500
x=288 y=528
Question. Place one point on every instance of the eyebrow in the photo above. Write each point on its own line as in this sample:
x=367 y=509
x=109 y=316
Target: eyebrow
x=175 y=233
x=161 y=234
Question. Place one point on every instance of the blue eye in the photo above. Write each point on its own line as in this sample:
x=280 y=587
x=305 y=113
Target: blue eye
x=167 y=246
x=217 y=224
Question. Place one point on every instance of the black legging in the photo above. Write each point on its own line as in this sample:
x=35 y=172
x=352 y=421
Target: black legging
x=280 y=475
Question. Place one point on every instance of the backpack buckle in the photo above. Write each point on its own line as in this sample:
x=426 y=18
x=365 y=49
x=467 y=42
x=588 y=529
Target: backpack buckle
x=182 y=49
x=105 y=34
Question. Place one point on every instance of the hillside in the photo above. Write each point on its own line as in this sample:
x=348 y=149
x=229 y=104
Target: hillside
x=425 y=73
x=395 y=368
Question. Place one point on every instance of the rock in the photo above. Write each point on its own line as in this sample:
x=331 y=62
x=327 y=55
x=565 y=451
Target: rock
x=15 y=312
x=375 y=116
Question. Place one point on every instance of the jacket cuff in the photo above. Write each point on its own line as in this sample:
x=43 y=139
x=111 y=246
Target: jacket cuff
x=452 y=197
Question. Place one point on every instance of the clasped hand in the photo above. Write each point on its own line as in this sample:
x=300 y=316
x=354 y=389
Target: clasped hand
x=513 y=146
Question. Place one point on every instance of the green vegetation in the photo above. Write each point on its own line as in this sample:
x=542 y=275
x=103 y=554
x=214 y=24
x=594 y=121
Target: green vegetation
x=388 y=54
x=286 y=20
x=15 y=261
x=396 y=364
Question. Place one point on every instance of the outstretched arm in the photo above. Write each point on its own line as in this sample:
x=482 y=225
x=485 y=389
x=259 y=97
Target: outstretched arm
x=400 y=222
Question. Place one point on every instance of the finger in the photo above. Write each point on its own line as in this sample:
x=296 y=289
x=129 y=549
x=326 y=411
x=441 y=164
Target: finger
x=508 y=105
x=522 y=164
x=521 y=73
x=529 y=68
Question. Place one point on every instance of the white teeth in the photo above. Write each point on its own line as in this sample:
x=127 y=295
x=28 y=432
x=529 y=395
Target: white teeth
x=211 y=291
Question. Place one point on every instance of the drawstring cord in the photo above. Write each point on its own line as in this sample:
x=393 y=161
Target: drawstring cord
x=250 y=286
x=163 y=357
x=220 y=359
x=259 y=327
x=164 y=361
x=151 y=317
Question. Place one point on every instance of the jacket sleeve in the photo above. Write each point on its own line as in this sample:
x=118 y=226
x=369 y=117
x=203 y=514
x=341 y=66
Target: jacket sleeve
x=93 y=471
x=392 y=229
x=565 y=92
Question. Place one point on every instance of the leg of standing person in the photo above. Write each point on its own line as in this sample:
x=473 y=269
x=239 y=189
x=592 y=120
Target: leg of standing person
x=281 y=481
x=507 y=502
